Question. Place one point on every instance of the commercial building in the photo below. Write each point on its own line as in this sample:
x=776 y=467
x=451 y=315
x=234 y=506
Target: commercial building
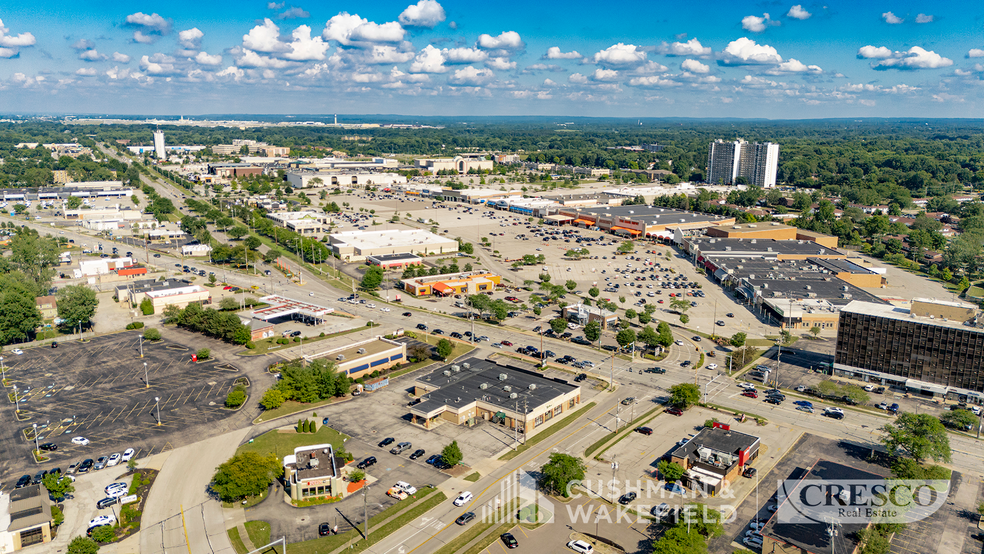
x=159 y=144
x=502 y=393
x=470 y=282
x=934 y=349
x=756 y=162
x=533 y=207
x=703 y=249
x=479 y=195
x=364 y=357
x=302 y=223
x=461 y=164
x=312 y=472
x=583 y=315
x=282 y=307
x=233 y=170
x=253 y=147
x=25 y=518
x=395 y=261
x=196 y=250
x=315 y=178
x=641 y=221
x=715 y=458
x=48 y=306
x=170 y=293
x=356 y=246
x=814 y=538
x=108 y=214
x=770 y=230
x=101 y=266
x=259 y=329
x=374 y=164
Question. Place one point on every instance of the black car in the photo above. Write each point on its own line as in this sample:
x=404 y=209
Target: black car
x=421 y=326
x=581 y=341
x=386 y=442
x=644 y=430
x=626 y=498
x=580 y=377
x=465 y=518
x=39 y=476
x=773 y=400
x=105 y=503
x=24 y=481
x=437 y=332
x=417 y=453
x=86 y=465
x=370 y=461
x=324 y=529
x=49 y=447
x=750 y=472
x=407 y=314
x=456 y=335
x=509 y=540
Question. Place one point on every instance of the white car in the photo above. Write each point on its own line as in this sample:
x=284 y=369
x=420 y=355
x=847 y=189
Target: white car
x=580 y=546
x=678 y=342
x=463 y=499
x=113 y=459
x=753 y=533
x=757 y=525
x=572 y=326
x=747 y=386
x=496 y=345
x=712 y=366
x=754 y=542
x=81 y=441
x=116 y=493
x=128 y=455
x=102 y=520
x=17 y=351
x=371 y=306
x=869 y=388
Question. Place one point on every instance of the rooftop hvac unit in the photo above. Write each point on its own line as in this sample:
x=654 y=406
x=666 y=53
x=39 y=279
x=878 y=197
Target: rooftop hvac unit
x=507 y=388
x=447 y=373
x=807 y=287
x=360 y=351
x=502 y=376
x=513 y=395
x=466 y=365
x=483 y=386
x=532 y=386
x=456 y=368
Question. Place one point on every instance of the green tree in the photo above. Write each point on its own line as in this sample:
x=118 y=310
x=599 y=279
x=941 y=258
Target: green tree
x=649 y=336
x=684 y=395
x=630 y=314
x=357 y=475
x=665 y=334
x=373 y=278
x=645 y=318
x=228 y=304
x=451 y=454
x=921 y=436
x=466 y=248
x=236 y=397
x=626 y=247
x=246 y=474
x=252 y=242
x=76 y=305
x=558 y=325
x=959 y=419
x=560 y=472
x=670 y=471
x=36 y=257
x=544 y=277
x=594 y=292
x=83 y=545
x=272 y=399
x=680 y=306
x=152 y=335
x=444 y=348
x=678 y=541
x=570 y=285
x=73 y=203
x=625 y=337
x=684 y=318
x=204 y=353
x=592 y=331
x=57 y=485
x=815 y=331
x=786 y=337
x=147 y=306
x=238 y=232
x=738 y=340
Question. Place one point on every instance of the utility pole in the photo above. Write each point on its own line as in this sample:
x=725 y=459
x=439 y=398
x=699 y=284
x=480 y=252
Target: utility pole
x=365 y=508
x=618 y=408
x=778 y=355
x=614 y=469
x=611 y=381
x=516 y=426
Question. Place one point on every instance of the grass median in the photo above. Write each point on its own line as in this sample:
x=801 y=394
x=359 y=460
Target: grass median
x=283 y=443
x=237 y=542
x=621 y=434
x=539 y=437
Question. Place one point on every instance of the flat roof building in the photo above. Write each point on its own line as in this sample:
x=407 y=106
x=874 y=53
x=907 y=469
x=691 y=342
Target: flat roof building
x=502 y=393
x=756 y=162
x=312 y=472
x=715 y=458
x=460 y=164
x=394 y=261
x=364 y=357
x=282 y=307
x=355 y=246
x=935 y=348
x=447 y=284
x=770 y=230
x=641 y=221
x=708 y=248
x=302 y=223
x=339 y=178
x=586 y=314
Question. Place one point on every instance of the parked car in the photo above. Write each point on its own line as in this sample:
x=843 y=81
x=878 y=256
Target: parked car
x=100 y=462
x=24 y=481
x=417 y=453
x=80 y=441
x=128 y=455
x=509 y=540
x=324 y=529
x=674 y=411
x=660 y=511
x=581 y=547
x=368 y=462
x=386 y=442
x=644 y=430
x=627 y=497
x=749 y=472
x=49 y=447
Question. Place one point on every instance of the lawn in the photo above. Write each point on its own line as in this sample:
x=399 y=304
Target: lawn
x=460 y=348
x=546 y=434
x=473 y=477
x=281 y=444
x=237 y=542
x=266 y=345
x=292 y=407
x=259 y=532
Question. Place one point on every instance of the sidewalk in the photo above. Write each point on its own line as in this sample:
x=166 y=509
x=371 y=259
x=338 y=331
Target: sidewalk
x=379 y=524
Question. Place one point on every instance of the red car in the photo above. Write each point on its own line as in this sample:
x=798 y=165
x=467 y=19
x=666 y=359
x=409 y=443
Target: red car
x=674 y=411
x=506 y=343
x=750 y=394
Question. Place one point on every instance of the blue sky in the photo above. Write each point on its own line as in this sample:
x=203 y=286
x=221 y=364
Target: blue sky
x=434 y=57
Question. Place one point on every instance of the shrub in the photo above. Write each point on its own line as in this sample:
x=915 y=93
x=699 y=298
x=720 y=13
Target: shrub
x=312 y=427
x=103 y=534
x=357 y=476
x=204 y=353
x=250 y=345
x=322 y=334
x=83 y=545
x=147 y=306
x=135 y=325
x=152 y=335
x=272 y=399
x=57 y=515
x=300 y=426
x=236 y=398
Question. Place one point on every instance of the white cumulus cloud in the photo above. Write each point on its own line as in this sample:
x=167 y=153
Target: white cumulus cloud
x=891 y=18
x=604 y=75
x=156 y=66
x=745 y=51
x=577 y=78
x=86 y=71
x=975 y=53
x=464 y=55
x=121 y=58
x=914 y=58
x=305 y=48
x=620 y=55
x=924 y=18
x=692 y=47
x=797 y=12
x=873 y=52
x=470 y=76
x=694 y=66
x=152 y=26
x=92 y=56
x=191 y=38
x=232 y=71
x=249 y=58
x=347 y=29
x=10 y=43
x=756 y=24
x=508 y=40
x=554 y=53
x=203 y=58
x=501 y=64
x=387 y=54
x=426 y=13
x=264 y=38
x=429 y=60
x=795 y=66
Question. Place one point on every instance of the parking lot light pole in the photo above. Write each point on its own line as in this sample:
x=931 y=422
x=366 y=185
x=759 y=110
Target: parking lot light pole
x=146 y=377
x=16 y=401
x=141 y=346
x=157 y=400
x=3 y=372
x=36 y=446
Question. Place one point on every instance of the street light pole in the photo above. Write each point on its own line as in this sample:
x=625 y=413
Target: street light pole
x=614 y=469
x=146 y=377
x=157 y=400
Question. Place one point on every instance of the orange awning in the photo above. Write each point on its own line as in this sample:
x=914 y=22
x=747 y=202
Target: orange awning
x=584 y=221
x=626 y=229
x=442 y=288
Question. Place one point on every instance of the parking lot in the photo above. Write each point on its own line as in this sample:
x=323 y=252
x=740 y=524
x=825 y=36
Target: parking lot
x=97 y=390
